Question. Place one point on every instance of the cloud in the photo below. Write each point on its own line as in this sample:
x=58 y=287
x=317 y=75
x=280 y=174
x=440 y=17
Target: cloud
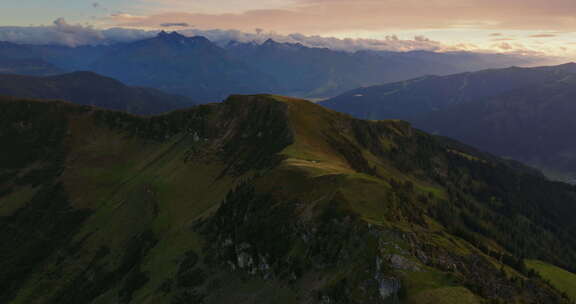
x=496 y=34
x=504 y=39
x=128 y=17
x=175 y=24
x=388 y=43
x=63 y=33
x=329 y=16
x=504 y=46
x=542 y=36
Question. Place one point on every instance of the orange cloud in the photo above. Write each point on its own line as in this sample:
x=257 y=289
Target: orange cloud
x=542 y=36
x=328 y=16
x=504 y=39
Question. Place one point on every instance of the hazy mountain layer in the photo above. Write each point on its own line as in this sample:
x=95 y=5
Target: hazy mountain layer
x=17 y=59
x=321 y=72
x=413 y=98
x=206 y=71
x=178 y=64
x=87 y=88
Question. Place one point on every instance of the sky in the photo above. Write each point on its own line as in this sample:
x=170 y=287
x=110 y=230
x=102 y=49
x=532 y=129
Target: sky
x=531 y=26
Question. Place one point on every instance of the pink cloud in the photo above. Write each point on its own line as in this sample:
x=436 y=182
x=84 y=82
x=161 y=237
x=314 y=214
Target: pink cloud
x=542 y=36
x=322 y=16
x=504 y=39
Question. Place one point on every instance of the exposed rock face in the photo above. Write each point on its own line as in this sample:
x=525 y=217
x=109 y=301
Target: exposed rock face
x=387 y=286
x=401 y=263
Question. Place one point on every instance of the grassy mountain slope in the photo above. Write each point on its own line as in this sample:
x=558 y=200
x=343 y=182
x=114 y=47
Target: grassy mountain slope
x=265 y=199
x=88 y=88
x=558 y=277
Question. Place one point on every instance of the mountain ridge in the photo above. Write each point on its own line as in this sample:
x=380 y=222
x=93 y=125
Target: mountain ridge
x=92 y=89
x=437 y=92
x=269 y=198
x=191 y=66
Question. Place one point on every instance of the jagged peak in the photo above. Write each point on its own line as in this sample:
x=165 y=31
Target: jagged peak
x=171 y=35
x=177 y=38
x=233 y=43
x=236 y=43
x=200 y=39
x=270 y=43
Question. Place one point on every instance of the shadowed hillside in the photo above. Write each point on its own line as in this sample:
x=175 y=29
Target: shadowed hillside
x=411 y=99
x=88 y=88
x=532 y=124
x=521 y=113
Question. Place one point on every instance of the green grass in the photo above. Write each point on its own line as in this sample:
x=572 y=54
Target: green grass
x=559 y=278
x=417 y=282
x=446 y=295
x=16 y=200
x=133 y=185
x=368 y=194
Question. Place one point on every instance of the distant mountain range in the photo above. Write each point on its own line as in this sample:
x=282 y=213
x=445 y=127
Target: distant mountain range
x=88 y=88
x=523 y=113
x=317 y=72
x=190 y=66
x=203 y=70
x=269 y=199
